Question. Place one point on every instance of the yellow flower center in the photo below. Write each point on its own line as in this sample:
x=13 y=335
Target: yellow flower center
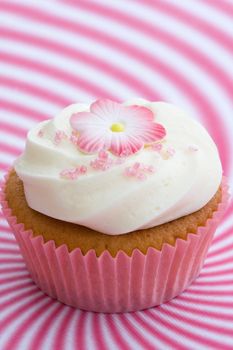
x=117 y=127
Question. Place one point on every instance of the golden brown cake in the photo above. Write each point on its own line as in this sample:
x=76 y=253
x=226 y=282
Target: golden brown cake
x=76 y=236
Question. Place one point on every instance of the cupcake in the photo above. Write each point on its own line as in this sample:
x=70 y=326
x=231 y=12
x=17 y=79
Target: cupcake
x=114 y=205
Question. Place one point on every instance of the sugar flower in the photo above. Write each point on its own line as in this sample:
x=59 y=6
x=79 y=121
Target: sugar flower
x=123 y=130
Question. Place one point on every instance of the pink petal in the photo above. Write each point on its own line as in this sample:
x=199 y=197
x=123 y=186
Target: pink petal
x=151 y=133
x=139 y=113
x=159 y=131
x=106 y=109
x=93 y=141
x=122 y=143
x=147 y=133
x=84 y=120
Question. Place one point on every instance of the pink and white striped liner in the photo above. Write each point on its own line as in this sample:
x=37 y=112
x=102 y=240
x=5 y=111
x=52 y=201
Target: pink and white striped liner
x=115 y=284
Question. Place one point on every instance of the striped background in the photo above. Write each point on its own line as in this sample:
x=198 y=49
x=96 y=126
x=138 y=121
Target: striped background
x=54 y=53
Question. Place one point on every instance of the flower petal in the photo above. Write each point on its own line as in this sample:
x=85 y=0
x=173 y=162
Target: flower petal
x=107 y=109
x=94 y=140
x=149 y=133
x=82 y=121
x=123 y=144
x=138 y=113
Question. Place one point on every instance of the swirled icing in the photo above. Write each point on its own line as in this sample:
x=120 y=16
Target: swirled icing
x=175 y=177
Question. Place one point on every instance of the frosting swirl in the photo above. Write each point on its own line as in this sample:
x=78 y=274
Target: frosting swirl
x=116 y=194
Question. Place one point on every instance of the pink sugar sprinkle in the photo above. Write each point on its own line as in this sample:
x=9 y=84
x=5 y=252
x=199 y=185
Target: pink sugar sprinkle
x=137 y=165
x=130 y=171
x=127 y=172
x=40 y=133
x=83 y=169
x=93 y=164
x=103 y=162
x=68 y=174
x=139 y=170
x=97 y=164
x=119 y=161
x=74 y=140
x=59 y=136
x=106 y=166
x=149 y=169
x=141 y=176
x=124 y=153
x=193 y=148
x=73 y=173
x=64 y=172
x=171 y=151
x=103 y=154
x=157 y=147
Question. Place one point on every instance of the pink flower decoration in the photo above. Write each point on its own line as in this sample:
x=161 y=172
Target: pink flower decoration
x=112 y=126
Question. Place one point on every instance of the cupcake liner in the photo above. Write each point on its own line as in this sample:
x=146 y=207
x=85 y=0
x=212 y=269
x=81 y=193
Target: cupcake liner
x=115 y=284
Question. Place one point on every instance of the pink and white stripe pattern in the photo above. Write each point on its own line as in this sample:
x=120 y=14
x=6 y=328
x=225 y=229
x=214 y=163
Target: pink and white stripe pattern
x=55 y=53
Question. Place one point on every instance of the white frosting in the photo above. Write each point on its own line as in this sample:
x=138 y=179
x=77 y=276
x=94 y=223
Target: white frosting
x=109 y=201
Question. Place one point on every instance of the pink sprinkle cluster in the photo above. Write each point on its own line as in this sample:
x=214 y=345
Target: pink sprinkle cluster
x=157 y=147
x=193 y=148
x=40 y=133
x=139 y=171
x=125 y=153
x=165 y=153
x=102 y=162
x=171 y=151
x=74 y=173
x=74 y=138
x=59 y=136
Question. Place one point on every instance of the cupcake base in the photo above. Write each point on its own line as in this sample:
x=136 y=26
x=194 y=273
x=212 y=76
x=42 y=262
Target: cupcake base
x=76 y=236
x=115 y=284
